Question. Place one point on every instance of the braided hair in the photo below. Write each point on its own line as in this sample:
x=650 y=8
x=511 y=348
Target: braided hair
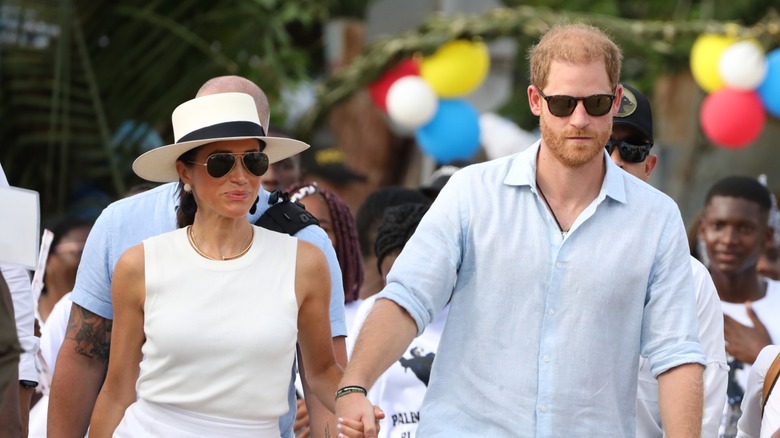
x=397 y=226
x=370 y=212
x=346 y=244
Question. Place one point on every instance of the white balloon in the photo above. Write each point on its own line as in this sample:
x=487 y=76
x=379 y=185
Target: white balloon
x=411 y=102
x=743 y=65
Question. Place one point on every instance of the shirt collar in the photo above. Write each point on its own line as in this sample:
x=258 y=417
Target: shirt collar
x=522 y=172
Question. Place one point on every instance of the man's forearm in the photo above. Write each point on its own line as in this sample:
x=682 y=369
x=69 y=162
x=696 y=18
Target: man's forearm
x=75 y=387
x=82 y=363
x=681 y=400
x=375 y=350
x=10 y=419
x=25 y=403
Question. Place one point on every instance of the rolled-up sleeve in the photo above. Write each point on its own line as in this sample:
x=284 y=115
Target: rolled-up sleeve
x=670 y=323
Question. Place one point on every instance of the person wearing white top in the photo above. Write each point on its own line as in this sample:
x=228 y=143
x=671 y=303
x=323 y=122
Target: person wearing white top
x=754 y=424
x=206 y=317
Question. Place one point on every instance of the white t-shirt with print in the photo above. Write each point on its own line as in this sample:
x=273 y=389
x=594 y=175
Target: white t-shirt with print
x=400 y=390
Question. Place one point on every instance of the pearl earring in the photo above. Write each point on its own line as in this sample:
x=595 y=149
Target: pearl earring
x=187 y=188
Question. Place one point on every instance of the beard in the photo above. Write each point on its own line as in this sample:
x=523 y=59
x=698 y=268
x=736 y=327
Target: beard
x=573 y=156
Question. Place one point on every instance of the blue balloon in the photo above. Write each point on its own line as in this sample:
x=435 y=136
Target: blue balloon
x=452 y=134
x=769 y=90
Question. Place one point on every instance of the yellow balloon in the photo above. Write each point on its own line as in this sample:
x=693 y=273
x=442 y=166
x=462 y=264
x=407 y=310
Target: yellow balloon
x=456 y=68
x=705 y=53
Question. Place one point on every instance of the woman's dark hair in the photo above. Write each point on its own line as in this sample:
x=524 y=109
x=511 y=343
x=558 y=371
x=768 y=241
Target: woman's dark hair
x=347 y=248
x=185 y=214
x=397 y=226
x=63 y=226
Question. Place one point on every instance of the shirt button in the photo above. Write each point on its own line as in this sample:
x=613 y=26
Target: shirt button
x=551 y=312
x=559 y=265
x=546 y=359
x=543 y=408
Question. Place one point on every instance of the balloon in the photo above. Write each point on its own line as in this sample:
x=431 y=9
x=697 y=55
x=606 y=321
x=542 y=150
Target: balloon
x=456 y=68
x=769 y=90
x=705 y=54
x=732 y=118
x=452 y=134
x=378 y=89
x=411 y=102
x=743 y=65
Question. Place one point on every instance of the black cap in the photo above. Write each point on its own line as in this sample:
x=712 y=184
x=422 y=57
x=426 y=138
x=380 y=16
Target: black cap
x=328 y=162
x=437 y=180
x=635 y=112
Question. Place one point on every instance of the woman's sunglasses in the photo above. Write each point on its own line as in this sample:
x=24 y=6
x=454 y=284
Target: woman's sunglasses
x=221 y=163
x=629 y=152
x=596 y=105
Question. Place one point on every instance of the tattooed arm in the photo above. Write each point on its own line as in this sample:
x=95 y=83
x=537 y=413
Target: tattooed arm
x=81 y=368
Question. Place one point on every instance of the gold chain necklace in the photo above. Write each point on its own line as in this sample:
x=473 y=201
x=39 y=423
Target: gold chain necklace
x=191 y=238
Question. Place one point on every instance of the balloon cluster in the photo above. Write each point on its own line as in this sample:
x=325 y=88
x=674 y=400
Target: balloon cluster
x=743 y=85
x=426 y=96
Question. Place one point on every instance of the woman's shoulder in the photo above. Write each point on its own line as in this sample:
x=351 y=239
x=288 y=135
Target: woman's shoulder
x=766 y=357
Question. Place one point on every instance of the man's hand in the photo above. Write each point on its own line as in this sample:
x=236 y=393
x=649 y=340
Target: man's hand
x=743 y=342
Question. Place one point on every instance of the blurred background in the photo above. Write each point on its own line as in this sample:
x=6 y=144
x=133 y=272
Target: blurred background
x=86 y=86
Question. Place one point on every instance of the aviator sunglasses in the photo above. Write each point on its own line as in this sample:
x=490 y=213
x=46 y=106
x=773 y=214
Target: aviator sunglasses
x=596 y=105
x=221 y=163
x=629 y=152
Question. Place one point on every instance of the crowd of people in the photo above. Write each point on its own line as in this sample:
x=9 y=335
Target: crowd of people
x=549 y=293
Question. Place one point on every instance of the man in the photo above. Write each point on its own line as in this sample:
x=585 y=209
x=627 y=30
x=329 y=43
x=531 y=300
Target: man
x=629 y=147
x=735 y=232
x=10 y=419
x=550 y=303
x=82 y=360
x=283 y=173
x=18 y=282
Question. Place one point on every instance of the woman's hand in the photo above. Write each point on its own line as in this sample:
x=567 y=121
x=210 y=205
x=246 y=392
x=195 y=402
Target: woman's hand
x=357 y=422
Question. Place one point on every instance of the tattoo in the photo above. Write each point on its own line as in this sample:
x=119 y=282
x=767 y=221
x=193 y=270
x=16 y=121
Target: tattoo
x=91 y=332
x=327 y=431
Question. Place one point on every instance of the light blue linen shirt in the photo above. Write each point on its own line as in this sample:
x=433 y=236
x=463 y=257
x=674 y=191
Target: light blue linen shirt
x=129 y=221
x=544 y=332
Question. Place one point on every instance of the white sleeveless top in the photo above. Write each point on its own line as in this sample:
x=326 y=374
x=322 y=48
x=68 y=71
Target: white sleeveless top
x=220 y=335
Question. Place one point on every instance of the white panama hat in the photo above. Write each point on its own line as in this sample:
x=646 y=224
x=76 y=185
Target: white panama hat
x=203 y=120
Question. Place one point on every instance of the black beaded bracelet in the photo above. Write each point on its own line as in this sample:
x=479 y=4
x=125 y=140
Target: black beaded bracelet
x=349 y=390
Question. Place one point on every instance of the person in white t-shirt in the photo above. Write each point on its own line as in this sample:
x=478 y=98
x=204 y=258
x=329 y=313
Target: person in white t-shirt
x=400 y=390
x=753 y=423
x=629 y=147
x=735 y=231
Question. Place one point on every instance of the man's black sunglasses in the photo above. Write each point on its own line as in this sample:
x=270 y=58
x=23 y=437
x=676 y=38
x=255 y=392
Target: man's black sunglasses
x=629 y=152
x=596 y=105
x=221 y=163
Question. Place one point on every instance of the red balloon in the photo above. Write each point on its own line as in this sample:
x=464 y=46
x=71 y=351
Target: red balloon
x=732 y=118
x=378 y=89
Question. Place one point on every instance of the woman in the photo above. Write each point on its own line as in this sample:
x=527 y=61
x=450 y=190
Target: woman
x=206 y=318
x=337 y=221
